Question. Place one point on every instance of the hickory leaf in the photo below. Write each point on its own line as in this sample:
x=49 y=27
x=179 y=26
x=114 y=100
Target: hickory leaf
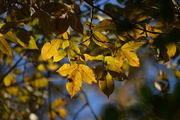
x=107 y=85
x=49 y=49
x=76 y=73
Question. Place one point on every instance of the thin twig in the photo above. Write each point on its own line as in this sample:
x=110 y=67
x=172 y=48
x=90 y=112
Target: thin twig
x=86 y=98
x=77 y=113
x=13 y=67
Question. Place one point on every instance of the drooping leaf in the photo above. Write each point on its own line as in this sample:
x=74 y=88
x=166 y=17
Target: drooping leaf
x=5 y=47
x=75 y=82
x=49 y=49
x=107 y=85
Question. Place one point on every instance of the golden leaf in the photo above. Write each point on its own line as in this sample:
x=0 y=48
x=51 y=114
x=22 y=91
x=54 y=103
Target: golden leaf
x=107 y=85
x=59 y=55
x=171 y=49
x=67 y=69
x=49 y=49
x=87 y=74
x=100 y=39
x=65 y=44
x=5 y=47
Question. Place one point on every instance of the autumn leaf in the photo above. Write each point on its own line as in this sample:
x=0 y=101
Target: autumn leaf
x=100 y=39
x=107 y=85
x=59 y=55
x=127 y=52
x=76 y=73
x=171 y=49
x=5 y=47
x=49 y=49
x=105 y=25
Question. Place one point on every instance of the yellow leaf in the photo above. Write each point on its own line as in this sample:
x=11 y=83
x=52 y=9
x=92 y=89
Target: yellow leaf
x=39 y=82
x=75 y=83
x=120 y=57
x=87 y=74
x=100 y=39
x=13 y=90
x=11 y=37
x=67 y=69
x=66 y=34
x=132 y=46
x=9 y=80
x=99 y=57
x=59 y=55
x=65 y=44
x=107 y=85
x=85 y=57
x=58 y=103
x=112 y=61
x=152 y=29
x=41 y=67
x=86 y=40
x=132 y=58
x=62 y=112
x=52 y=115
x=32 y=43
x=105 y=25
x=171 y=49
x=71 y=54
x=5 y=47
x=128 y=52
x=49 y=49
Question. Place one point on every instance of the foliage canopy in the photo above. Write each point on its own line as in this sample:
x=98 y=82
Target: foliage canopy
x=80 y=41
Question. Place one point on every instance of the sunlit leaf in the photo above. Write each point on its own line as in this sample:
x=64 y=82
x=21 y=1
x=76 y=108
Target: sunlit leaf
x=87 y=74
x=41 y=67
x=100 y=39
x=5 y=47
x=52 y=114
x=171 y=49
x=152 y=29
x=75 y=83
x=67 y=69
x=59 y=55
x=132 y=58
x=49 y=49
x=107 y=85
